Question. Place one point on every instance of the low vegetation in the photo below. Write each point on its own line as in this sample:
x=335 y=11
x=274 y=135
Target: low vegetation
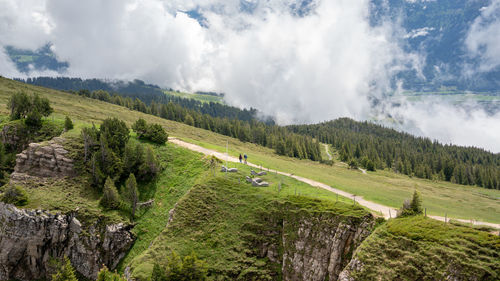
x=419 y=248
x=14 y=194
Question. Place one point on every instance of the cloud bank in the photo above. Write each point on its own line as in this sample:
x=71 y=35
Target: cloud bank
x=483 y=37
x=298 y=62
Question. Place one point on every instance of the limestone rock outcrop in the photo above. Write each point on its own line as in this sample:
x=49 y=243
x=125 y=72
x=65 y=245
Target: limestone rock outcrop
x=30 y=239
x=44 y=160
x=314 y=246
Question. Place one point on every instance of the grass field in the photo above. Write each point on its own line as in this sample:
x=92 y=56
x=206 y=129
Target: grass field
x=382 y=187
x=199 y=97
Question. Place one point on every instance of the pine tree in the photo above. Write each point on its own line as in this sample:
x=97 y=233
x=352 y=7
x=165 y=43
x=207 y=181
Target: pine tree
x=131 y=193
x=416 y=203
x=68 y=124
x=65 y=273
x=110 y=198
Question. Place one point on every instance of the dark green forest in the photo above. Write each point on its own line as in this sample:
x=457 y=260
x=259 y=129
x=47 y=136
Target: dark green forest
x=217 y=120
x=368 y=143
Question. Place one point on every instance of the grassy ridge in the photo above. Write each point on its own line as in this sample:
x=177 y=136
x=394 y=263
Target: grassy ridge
x=382 y=186
x=418 y=248
x=183 y=169
x=212 y=220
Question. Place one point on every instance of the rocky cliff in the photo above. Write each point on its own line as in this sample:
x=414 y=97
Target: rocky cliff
x=43 y=160
x=30 y=239
x=312 y=245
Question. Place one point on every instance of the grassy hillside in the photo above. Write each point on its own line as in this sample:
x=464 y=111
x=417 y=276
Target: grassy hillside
x=213 y=220
x=418 y=248
x=198 y=97
x=383 y=187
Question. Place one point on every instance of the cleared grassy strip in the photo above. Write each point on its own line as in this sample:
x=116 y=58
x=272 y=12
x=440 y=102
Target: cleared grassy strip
x=199 y=97
x=382 y=187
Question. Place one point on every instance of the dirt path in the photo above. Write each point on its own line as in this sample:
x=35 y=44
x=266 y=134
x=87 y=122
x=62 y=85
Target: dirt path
x=328 y=151
x=387 y=212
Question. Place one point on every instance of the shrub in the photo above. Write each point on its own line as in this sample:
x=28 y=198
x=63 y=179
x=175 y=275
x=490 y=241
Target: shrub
x=68 y=124
x=110 y=198
x=189 y=268
x=116 y=134
x=31 y=108
x=152 y=132
x=106 y=275
x=65 y=273
x=157 y=134
x=140 y=127
x=413 y=207
x=16 y=195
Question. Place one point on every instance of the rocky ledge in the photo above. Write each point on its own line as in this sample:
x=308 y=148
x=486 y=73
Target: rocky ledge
x=43 y=160
x=29 y=240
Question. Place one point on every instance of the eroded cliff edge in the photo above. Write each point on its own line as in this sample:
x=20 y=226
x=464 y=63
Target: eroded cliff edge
x=31 y=239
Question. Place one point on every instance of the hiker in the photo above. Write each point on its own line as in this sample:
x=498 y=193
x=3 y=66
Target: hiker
x=240 y=158
x=245 y=158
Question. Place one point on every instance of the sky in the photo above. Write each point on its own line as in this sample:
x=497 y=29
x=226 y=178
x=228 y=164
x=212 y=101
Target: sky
x=300 y=65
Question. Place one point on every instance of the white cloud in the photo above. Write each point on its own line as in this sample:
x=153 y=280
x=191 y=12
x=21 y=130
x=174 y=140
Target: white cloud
x=437 y=119
x=320 y=66
x=483 y=37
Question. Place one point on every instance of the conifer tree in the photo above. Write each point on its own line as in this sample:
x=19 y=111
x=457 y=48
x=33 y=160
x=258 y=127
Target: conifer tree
x=65 y=273
x=131 y=193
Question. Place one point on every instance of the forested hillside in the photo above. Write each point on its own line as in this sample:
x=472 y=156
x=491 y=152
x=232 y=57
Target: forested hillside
x=222 y=119
x=375 y=146
x=359 y=143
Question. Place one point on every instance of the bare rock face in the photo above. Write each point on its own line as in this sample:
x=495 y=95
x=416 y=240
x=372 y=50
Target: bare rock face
x=49 y=160
x=313 y=246
x=30 y=239
x=319 y=247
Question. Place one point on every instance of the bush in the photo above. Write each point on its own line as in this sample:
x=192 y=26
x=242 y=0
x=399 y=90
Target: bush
x=106 y=275
x=156 y=134
x=413 y=207
x=187 y=269
x=65 y=273
x=31 y=108
x=110 y=198
x=152 y=132
x=116 y=134
x=16 y=195
x=353 y=164
x=140 y=127
x=68 y=124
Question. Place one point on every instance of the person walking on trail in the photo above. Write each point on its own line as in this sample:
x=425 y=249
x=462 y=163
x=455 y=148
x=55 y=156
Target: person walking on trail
x=240 y=158
x=245 y=158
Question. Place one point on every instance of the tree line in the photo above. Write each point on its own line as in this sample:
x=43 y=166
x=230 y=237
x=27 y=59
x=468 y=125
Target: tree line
x=367 y=144
x=241 y=126
x=147 y=93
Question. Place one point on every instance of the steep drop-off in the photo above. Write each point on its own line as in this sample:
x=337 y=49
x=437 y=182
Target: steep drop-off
x=244 y=233
x=419 y=248
x=30 y=239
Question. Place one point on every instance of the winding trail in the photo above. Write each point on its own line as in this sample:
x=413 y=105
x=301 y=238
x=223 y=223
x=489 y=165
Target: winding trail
x=387 y=212
x=327 y=151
